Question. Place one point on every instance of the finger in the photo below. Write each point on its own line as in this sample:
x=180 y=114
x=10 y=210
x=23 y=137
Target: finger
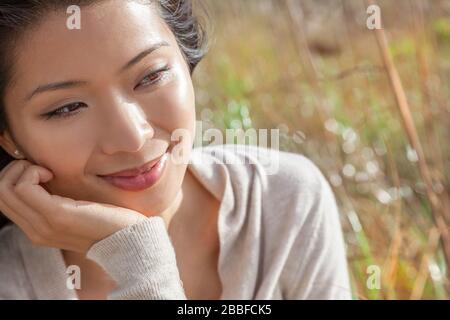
x=30 y=221
x=77 y=244
x=53 y=208
x=23 y=224
x=92 y=217
x=11 y=199
x=35 y=196
x=6 y=168
x=31 y=192
x=6 y=209
x=11 y=175
x=17 y=167
x=66 y=241
x=35 y=175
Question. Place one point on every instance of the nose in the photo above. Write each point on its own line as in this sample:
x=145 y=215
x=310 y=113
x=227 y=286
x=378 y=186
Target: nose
x=126 y=127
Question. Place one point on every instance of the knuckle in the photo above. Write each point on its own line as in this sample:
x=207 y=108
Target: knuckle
x=19 y=187
x=24 y=163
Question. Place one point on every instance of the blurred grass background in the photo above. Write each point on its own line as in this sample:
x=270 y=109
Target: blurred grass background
x=312 y=69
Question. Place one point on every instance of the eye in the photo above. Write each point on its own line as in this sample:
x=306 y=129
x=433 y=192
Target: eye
x=65 y=111
x=154 y=77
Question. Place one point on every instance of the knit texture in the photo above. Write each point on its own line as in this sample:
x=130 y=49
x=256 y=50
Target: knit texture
x=152 y=273
x=279 y=230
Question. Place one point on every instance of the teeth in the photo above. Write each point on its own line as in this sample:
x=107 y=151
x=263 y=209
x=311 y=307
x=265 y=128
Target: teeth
x=148 y=169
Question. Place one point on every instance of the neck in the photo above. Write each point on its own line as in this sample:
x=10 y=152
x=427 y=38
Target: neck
x=173 y=209
x=181 y=208
x=188 y=220
x=182 y=217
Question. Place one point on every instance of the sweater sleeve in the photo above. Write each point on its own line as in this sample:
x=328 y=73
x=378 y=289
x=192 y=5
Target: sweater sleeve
x=141 y=260
x=318 y=262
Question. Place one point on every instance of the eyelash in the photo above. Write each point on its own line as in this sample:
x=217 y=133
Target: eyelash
x=58 y=114
x=161 y=72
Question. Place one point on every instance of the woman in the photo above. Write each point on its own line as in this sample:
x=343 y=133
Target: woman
x=97 y=117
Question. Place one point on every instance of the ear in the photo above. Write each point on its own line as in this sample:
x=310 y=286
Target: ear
x=7 y=143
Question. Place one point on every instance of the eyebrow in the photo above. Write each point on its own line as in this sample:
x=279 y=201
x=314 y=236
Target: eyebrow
x=77 y=83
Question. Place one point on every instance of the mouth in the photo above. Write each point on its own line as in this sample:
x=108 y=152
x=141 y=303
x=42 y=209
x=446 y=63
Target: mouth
x=140 y=178
x=132 y=172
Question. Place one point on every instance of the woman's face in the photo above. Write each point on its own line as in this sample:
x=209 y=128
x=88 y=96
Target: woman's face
x=121 y=109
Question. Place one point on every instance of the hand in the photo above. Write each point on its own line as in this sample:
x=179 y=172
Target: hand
x=54 y=221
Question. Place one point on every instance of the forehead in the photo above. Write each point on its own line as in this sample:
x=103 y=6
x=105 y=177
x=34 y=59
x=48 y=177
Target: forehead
x=111 y=33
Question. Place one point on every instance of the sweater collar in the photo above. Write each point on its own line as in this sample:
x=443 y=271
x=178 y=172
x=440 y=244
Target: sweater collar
x=46 y=267
x=214 y=174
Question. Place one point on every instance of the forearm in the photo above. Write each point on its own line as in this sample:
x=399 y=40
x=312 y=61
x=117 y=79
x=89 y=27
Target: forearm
x=141 y=260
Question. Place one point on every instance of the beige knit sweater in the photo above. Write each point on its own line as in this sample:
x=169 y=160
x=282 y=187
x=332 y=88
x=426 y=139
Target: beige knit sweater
x=279 y=229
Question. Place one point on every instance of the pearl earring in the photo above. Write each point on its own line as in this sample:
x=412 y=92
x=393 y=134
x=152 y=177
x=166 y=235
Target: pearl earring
x=17 y=153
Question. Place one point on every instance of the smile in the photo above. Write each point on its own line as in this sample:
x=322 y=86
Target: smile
x=141 y=181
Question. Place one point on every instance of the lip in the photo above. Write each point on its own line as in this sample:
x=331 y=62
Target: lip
x=134 y=171
x=146 y=177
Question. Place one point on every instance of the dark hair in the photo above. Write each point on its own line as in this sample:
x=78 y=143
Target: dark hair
x=18 y=16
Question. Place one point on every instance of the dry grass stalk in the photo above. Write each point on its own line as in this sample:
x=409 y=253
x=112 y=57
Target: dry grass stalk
x=411 y=132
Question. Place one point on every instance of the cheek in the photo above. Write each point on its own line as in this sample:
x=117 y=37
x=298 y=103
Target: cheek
x=63 y=150
x=173 y=107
